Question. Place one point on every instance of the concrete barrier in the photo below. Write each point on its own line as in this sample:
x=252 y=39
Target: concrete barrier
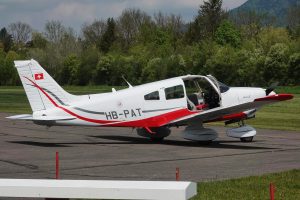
x=94 y=189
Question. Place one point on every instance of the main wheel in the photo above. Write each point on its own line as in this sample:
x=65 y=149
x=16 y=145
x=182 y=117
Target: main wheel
x=157 y=139
x=208 y=142
x=247 y=139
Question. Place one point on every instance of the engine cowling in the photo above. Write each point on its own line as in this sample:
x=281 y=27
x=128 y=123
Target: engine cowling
x=158 y=133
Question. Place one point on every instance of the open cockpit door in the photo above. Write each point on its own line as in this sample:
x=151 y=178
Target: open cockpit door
x=216 y=83
x=203 y=92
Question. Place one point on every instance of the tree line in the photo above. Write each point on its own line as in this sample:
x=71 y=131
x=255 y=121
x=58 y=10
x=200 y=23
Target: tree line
x=243 y=48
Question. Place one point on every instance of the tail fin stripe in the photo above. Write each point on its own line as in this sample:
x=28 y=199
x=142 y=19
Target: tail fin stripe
x=56 y=97
x=53 y=102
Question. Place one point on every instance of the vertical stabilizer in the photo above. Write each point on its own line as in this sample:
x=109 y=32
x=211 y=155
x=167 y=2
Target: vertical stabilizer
x=41 y=89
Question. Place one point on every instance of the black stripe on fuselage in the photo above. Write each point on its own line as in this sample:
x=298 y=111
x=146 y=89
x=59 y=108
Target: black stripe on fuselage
x=89 y=111
x=157 y=110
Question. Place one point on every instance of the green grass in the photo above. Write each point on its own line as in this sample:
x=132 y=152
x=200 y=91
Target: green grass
x=13 y=99
x=287 y=186
x=281 y=116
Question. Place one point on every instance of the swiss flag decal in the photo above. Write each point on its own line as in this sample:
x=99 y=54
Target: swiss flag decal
x=39 y=76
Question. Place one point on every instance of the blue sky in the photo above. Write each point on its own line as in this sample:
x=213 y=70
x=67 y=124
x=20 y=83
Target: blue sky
x=76 y=12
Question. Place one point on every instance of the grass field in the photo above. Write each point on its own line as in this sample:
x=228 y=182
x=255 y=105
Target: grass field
x=281 y=116
x=287 y=186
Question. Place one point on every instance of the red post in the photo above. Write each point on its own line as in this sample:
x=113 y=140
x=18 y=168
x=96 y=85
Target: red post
x=272 y=191
x=57 y=166
x=177 y=174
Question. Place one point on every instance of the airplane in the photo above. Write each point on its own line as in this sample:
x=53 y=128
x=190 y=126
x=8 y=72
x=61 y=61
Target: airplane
x=152 y=108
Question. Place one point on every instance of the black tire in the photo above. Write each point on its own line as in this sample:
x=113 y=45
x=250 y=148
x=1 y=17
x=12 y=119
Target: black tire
x=247 y=139
x=208 y=142
x=157 y=139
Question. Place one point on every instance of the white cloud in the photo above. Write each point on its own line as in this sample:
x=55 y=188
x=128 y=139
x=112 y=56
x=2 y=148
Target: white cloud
x=75 y=12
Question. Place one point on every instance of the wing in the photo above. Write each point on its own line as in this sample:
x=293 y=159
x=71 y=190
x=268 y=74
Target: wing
x=216 y=113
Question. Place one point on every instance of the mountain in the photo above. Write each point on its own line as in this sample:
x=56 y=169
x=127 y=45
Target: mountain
x=276 y=8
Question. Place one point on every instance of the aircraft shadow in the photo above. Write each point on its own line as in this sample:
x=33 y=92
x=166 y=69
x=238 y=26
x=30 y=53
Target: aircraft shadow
x=124 y=140
x=215 y=144
x=39 y=144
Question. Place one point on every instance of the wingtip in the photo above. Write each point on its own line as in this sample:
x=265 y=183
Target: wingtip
x=276 y=97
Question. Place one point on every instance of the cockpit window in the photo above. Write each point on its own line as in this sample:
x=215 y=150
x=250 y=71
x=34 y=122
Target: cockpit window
x=175 y=92
x=223 y=87
x=152 y=96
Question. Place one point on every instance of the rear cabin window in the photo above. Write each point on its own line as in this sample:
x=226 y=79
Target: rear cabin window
x=152 y=96
x=175 y=92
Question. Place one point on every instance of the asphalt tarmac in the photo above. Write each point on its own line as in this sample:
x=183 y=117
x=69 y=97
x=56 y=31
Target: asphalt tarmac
x=28 y=151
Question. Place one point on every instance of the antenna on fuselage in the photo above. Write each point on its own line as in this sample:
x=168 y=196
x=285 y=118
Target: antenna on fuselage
x=130 y=86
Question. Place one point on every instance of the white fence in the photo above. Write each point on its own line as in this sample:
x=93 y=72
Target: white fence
x=94 y=189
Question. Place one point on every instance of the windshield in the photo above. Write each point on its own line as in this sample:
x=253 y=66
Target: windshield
x=223 y=87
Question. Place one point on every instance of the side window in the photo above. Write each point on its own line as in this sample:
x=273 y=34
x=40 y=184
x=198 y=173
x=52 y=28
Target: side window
x=152 y=96
x=175 y=92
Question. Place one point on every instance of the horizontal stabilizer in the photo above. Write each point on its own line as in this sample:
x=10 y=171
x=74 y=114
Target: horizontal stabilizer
x=43 y=118
x=54 y=118
x=22 y=117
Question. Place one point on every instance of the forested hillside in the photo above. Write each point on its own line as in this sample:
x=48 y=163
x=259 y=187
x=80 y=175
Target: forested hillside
x=241 y=50
x=277 y=10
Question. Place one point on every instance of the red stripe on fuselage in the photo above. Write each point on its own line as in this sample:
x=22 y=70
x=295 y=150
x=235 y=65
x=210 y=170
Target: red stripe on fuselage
x=156 y=121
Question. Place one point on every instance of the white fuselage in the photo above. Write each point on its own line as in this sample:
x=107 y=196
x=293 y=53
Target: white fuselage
x=128 y=107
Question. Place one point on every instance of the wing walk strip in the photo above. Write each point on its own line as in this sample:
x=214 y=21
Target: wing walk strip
x=148 y=122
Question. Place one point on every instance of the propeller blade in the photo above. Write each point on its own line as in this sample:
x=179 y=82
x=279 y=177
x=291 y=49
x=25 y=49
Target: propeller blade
x=271 y=88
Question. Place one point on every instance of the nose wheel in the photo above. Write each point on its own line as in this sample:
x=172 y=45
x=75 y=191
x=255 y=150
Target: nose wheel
x=244 y=132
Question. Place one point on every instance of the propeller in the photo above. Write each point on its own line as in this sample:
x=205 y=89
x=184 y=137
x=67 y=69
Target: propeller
x=271 y=88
